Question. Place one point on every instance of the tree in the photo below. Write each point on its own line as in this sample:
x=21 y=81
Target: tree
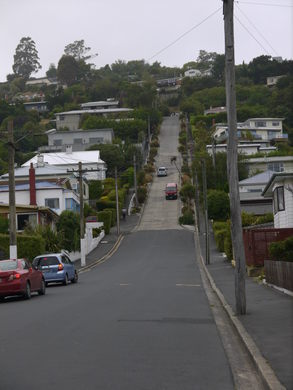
x=205 y=60
x=26 y=60
x=67 y=70
x=218 y=205
x=52 y=71
x=112 y=155
x=69 y=226
x=77 y=50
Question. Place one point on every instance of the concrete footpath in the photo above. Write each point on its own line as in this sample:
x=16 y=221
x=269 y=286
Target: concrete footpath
x=268 y=322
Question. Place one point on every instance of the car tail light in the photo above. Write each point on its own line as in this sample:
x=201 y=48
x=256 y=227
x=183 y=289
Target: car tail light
x=15 y=275
x=60 y=267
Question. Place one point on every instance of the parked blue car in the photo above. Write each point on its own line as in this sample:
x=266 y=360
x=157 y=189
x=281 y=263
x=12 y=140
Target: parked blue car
x=56 y=268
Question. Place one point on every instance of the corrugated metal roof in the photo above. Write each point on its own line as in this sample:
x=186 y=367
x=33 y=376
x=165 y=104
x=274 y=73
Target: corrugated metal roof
x=26 y=186
x=63 y=158
x=260 y=178
x=95 y=111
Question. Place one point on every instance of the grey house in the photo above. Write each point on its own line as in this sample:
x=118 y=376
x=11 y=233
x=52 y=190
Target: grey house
x=76 y=140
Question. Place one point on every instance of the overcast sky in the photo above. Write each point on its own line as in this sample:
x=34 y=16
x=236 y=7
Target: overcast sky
x=136 y=29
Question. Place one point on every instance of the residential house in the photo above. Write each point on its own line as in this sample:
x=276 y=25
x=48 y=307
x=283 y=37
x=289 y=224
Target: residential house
x=265 y=129
x=192 y=73
x=42 y=81
x=215 y=110
x=69 y=162
x=280 y=188
x=37 y=106
x=250 y=191
x=45 y=186
x=248 y=148
x=30 y=215
x=275 y=164
x=72 y=119
x=109 y=103
x=272 y=80
x=77 y=140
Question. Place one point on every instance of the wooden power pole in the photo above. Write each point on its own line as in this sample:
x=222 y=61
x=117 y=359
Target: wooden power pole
x=117 y=203
x=12 y=208
x=232 y=160
x=81 y=211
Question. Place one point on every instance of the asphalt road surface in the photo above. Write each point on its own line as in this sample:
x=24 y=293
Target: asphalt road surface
x=141 y=320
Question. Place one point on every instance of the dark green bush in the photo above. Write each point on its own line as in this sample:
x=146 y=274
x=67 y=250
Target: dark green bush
x=282 y=250
x=103 y=204
x=105 y=217
x=228 y=249
x=96 y=232
x=95 y=189
x=141 y=194
x=187 y=218
x=220 y=236
x=218 y=205
x=113 y=216
x=4 y=224
x=27 y=246
x=69 y=226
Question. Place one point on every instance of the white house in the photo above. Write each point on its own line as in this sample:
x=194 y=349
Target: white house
x=258 y=128
x=95 y=167
x=250 y=192
x=275 y=164
x=78 y=140
x=109 y=103
x=192 y=73
x=72 y=119
x=248 y=148
x=280 y=187
x=44 y=186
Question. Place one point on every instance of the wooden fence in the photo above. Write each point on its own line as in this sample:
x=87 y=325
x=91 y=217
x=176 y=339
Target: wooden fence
x=279 y=273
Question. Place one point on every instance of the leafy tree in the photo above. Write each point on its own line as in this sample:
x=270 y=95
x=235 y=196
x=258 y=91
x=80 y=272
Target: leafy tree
x=95 y=189
x=112 y=155
x=4 y=224
x=205 y=60
x=77 y=50
x=218 y=205
x=67 y=70
x=26 y=60
x=52 y=71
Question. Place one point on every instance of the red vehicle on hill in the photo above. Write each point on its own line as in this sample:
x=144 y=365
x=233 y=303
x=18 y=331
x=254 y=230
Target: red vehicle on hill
x=171 y=191
x=17 y=277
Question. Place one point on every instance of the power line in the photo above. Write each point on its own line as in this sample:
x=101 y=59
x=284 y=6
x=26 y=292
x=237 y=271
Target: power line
x=252 y=35
x=184 y=34
x=266 y=4
x=263 y=37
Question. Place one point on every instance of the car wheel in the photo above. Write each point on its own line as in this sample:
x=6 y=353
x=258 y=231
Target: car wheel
x=28 y=293
x=75 y=279
x=42 y=290
x=65 y=281
x=2 y=299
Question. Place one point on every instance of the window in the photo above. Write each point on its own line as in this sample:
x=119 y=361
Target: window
x=57 y=142
x=24 y=220
x=64 y=260
x=96 y=140
x=276 y=166
x=260 y=124
x=77 y=141
x=53 y=203
x=276 y=123
x=61 y=117
x=279 y=200
x=24 y=264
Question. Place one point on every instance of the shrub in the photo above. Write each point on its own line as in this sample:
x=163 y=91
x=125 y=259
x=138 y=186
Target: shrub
x=95 y=189
x=218 y=205
x=155 y=143
x=282 y=250
x=69 y=226
x=4 y=224
x=105 y=217
x=219 y=225
x=149 y=168
x=220 y=236
x=141 y=194
x=228 y=245
x=53 y=239
x=27 y=246
x=105 y=204
x=113 y=216
x=96 y=232
x=187 y=218
x=141 y=178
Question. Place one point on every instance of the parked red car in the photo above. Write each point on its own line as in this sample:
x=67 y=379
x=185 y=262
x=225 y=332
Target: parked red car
x=17 y=277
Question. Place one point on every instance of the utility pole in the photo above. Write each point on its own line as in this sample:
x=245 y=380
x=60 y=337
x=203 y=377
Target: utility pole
x=135 y=182
x=82 y=240
x=12 y=209
x=206 y=220
x=149 y=130
x=232 y=157
x=117 y=203
x=197 y=206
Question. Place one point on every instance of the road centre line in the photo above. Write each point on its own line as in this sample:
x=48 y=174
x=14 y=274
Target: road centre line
x=187 y=285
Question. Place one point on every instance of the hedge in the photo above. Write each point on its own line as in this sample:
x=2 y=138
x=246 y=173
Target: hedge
x=141 y=194
x=113 y=216
x=28 y=247
x=187 y=218
x=105 y=217
x=110 y=204
x=282 y=250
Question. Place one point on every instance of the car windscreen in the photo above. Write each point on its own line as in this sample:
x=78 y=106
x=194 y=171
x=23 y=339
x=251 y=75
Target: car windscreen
x=8 y=265
x=46 y=261
x=170 y=188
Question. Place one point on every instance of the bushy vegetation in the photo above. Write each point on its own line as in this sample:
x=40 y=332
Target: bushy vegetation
x=282 y=250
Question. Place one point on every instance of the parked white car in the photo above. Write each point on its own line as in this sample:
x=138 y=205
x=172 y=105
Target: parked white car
x=162 y=171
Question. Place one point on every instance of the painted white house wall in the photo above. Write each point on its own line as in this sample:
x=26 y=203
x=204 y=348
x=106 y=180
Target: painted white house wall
x=22 y=197
x=192 y=73
x=284 y=219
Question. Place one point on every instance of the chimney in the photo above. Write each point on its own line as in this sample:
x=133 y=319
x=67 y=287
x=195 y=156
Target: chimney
x=32 y=182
